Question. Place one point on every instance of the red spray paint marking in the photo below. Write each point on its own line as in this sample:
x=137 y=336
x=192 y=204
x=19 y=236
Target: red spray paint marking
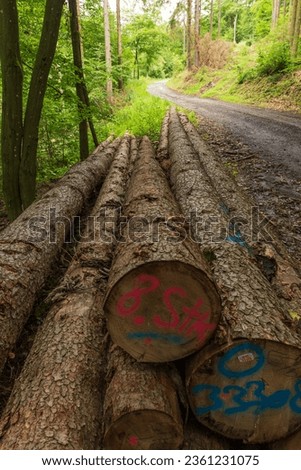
x=133 y=440
x=195 y=322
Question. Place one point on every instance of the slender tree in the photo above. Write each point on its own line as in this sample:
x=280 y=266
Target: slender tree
x=188 y=39
x=119 y=44
x=275 y=12
x=20 y=138
x=219 y=19
x=108 y=51
x=197 y=16
x=37 y=89
x=12 y=123
x=297 y=29
x=81 y=89
x=211 y=18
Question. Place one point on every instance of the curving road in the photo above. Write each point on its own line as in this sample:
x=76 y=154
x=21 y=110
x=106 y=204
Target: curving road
x=273 y=134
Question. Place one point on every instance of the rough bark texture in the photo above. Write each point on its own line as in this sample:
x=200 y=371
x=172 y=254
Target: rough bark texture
x=161 y=303
x=251 y=309
x=56 y=402
x=37 y=89
x=30 y=244
x=242 y=213
x=296 y=35
x=141 y=409
x=12 y=123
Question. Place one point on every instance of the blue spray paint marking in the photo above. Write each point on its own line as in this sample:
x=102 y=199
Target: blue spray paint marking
x=233 y=374
x=263 y=402
x=175 y=339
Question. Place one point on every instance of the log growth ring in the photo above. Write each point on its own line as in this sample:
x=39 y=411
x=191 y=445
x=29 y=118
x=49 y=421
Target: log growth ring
x=162 y=311
x=249 y=390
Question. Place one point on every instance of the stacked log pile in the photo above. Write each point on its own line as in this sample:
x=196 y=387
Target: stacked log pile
x=29 y=245
x=160 y=273
x=161 y=304
x=235 y=384
x=56 y=401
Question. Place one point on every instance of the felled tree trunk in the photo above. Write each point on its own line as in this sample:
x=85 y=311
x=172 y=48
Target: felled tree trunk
x=243 y=215
x=161 y=303
x=244 y=384
x=30 y=244
x=57 y=399
x=141 y=409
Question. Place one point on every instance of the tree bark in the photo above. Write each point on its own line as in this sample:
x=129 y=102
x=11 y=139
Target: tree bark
x=296 y=36
x=37 y=89
x=253 y=322
x=119 y=44
x=30 y=244
x=81 y=89
x=275 y=13
x=56 y=402
x=197 y=33
x=12 y=120
x=141 y=409
x=189 y=38
x=211 y=18
x=235 y=28
x=108 y=51
x=292 y=23
x=242 y=213
x=161 y=304
x=219 y=19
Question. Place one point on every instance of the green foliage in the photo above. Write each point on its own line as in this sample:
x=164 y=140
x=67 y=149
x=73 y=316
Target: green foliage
x=274 y=58
x=142 y=115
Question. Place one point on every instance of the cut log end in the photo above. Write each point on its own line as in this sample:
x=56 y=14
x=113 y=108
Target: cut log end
x=249 y=390
x=162 y=311
x=144 y=430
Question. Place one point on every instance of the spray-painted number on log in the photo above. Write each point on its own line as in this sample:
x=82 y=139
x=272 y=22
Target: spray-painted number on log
x=193 y=320
x=220 y=398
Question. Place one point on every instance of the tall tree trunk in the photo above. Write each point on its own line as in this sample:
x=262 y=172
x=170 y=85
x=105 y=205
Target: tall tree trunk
x=275 y=12
x=161 y=304
x=296 y=36
x=219 y=19
x=37 y=89
x=197 y=33
x=211 y=18
x=79 y=74
x=235 y=28
x=12 y=95
x=108 y=51
x=189 y=36
x=141 y=409
x=293 y=17
x=81 y=89
x=29 y=245
x=119 y=44
x=57 y=401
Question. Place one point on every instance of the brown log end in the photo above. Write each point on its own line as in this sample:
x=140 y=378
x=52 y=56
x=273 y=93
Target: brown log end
x=249 y=390
x=144 y=430
x=162 y=311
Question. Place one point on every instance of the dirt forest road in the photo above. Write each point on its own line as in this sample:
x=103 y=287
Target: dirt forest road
x=275 y=134
x=262 y=150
